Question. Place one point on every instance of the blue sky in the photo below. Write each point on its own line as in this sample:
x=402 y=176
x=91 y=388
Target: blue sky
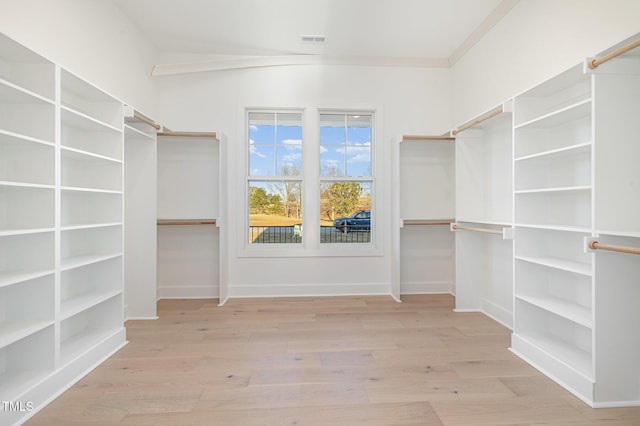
x=342 y=153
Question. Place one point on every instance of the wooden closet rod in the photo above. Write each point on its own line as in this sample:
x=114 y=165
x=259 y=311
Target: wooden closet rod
x=146 y=120
x=190 y=134
x=594 y=245
x=427 y=222
x=186 y=222
x=426 y=138
x=478 y=120
x=594 y=63
x=469 y=228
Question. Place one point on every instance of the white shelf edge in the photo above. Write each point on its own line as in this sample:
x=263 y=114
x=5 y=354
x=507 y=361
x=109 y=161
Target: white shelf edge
x=15 y=383
x=486 y=222
x=13 y=331
x=78 y=261
x=557 y=263
x=87 y=117
x=90 y=154
x=569 y=356
x=26 y=91
x=138 y=133
x=26 y=185
x=79 y=343
x=75 y=305
x=27 y=138
x=96 y=190
x=8 y=278
x=567 y=228
x=89 y=226
x=6 y=233
x=551 y=152
x=570 y=311
x=629 y=234
x=578 y=188
x=554 y=113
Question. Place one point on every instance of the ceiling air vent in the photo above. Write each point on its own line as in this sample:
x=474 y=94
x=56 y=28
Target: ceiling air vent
x=312 y=39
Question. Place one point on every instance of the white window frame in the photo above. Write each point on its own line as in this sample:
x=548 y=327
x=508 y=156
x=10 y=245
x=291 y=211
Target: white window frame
x=311 y=179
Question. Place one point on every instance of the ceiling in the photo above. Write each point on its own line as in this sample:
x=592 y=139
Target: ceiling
x=388 y=32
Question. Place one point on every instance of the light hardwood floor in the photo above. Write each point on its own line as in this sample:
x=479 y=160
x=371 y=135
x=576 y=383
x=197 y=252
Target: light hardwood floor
x=320 y=361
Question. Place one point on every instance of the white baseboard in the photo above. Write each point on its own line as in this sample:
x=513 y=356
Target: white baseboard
x=306 y=290
x=206 y=291
x=437 y=287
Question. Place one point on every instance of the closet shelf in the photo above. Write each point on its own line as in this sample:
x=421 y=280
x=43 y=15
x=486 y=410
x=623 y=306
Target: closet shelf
x=134 y=133
x=570 y=356
x=572 y=149
x=83 y=260
x=72 y=117
x=558 y=263
x=554 y=189
x=8 y=232
x=425 y=222
x=12 y=331
x=26 y=185
x=96 y=190
x=8 y=278
x=82 y=155
x=568 y=228
x=12 y=93
x=568 y=310
x=576 y=111
x=80 y=342
x=187 y=221
x=82 y=302
x=7 y=133
x=15 y=383
x=89 y=226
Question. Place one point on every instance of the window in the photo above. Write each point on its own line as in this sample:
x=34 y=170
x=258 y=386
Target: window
x=346 y=177
x=335 y=182
x=275 y=177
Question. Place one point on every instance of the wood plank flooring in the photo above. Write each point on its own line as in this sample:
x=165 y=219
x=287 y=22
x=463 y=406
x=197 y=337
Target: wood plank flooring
x=320 y=361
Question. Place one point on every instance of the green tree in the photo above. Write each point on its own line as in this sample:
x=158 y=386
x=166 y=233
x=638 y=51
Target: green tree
x=258 y=199
x=343 y=198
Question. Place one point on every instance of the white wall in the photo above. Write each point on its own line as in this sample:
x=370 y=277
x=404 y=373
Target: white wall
x=536 y=40
x=90 y=38
x=409 y=101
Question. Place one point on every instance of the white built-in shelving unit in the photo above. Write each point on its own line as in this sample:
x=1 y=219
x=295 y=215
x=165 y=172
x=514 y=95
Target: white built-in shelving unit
x=61 y=227
x=140 y=245
x=424 y=194
x=576 y=180
x=190 y=235
x=484 y=214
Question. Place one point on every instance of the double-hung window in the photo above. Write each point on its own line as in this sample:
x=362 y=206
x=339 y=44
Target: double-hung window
x=275 y=177
x=338 y=180
x=346 y=177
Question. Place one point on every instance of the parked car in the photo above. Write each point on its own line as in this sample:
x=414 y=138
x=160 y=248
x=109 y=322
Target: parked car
x=358 y=221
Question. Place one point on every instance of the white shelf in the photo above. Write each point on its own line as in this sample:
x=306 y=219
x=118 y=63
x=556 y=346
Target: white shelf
x=551 y=190
x=558 y=263
x=573 y=358
x=81 y=342
x=13 y=277
x=14 y=94
x=16 y=382
x=25 y=231
x=567 y=228
x=571 y=149
x=79 y=303
x=11 y=332
x=83 y=153
x=26 y=69
x=25 y=185
x=78 y=261
x=137 y=134
x=572 y=112
x=563 y=308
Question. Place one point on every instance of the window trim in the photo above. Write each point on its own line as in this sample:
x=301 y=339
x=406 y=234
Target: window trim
x=311 y=179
